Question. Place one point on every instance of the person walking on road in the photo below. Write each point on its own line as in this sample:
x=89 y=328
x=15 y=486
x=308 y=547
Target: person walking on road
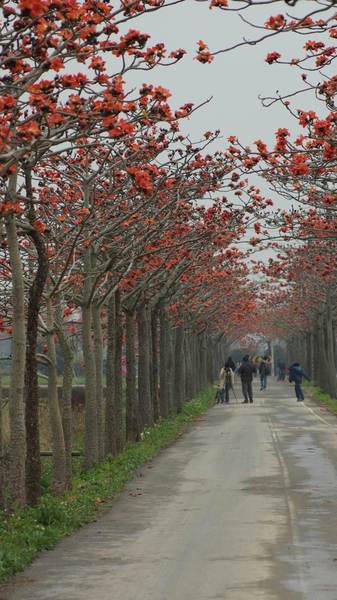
x=296 y=375
x=246 y=371
x=282 y=368
x=226 y=382
x=264 y=370
x=221 y=386
x=229 y=382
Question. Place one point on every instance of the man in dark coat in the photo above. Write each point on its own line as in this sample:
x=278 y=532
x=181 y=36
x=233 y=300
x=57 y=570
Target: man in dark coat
x=296 y=375
x=230 y=363
x=282 y=368
x=264 y=372
x=246 y=371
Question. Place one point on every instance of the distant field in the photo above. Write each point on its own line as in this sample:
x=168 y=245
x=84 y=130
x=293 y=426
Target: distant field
x=45 y=432
x=5 y=379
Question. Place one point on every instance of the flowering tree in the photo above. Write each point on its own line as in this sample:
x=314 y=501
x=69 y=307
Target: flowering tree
x=42 y=111
x=112 y=218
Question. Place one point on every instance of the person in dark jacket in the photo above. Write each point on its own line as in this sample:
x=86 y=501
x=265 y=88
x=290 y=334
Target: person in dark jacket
x=230 y=364
x=246 y=371
x=296 y=375
x=264 y=370
x=282 y=369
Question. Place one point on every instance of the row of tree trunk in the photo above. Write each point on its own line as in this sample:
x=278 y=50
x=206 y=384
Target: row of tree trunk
x=139 y=367
x=316 y=351
x=152 y=368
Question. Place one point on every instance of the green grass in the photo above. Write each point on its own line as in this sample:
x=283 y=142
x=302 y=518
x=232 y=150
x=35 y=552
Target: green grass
x=322 y=397
x=26 y=532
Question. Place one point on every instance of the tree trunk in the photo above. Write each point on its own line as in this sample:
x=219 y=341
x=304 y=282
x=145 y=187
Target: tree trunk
x=164 y=365
x=306 y=343
x=209 y=359
x=321 y=356
x=132 y=426
x=98 y=345
x=155 y=366
x=332 y=380
x=194 y=361
x=110 y=417
x=179 y=371
x=59 y=453
x=3 y=467
x=67 y=386
x=90 y=435
x=33 y=461
x=189 y=388
x=2 y=439
x=119 y=408
x=312 y=357
x=171 y=368
x=334 y=341
x=144 y=381
x=203 y=360
x=91 y=447
x=17 y=447
x=315 y=353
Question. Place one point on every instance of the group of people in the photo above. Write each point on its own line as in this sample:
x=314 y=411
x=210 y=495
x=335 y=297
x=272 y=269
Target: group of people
x=247 y=369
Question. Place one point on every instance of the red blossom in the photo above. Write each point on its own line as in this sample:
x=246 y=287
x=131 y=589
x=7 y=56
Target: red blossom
x=203 y=55
x=276 y=22
x=313 y=45
x=29 y=130
x=272 y=57
x=218 y=4
x=177 y=54
x=34 y=8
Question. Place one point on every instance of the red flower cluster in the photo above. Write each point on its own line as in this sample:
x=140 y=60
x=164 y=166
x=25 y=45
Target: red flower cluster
x=276 y=22
x=218 y=4
x=203 y=55
x=142 y=179
x=313 y=45
x=299 y=165
x=272 y=57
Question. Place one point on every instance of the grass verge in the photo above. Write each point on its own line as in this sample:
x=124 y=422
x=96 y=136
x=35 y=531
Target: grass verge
x=322 y=397
x=26 y=532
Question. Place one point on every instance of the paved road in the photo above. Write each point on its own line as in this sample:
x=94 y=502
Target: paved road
x=242 y=507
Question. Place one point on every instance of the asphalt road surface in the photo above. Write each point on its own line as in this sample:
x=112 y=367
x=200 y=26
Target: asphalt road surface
x=242 y=507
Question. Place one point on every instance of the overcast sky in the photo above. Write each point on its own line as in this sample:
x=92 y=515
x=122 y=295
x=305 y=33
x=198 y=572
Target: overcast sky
x=235 y=79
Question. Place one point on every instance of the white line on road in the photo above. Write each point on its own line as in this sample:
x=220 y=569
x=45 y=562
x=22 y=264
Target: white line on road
x=316 y=415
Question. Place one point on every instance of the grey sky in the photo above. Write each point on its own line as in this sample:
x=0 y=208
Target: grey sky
x=234 y=80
